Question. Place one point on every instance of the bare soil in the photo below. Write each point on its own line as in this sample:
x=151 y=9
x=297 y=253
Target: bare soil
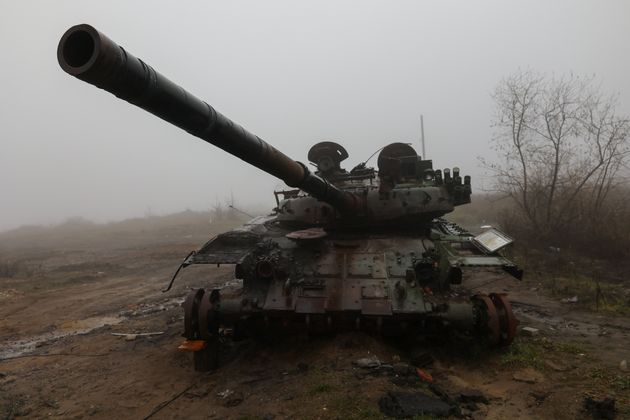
x=65 y=290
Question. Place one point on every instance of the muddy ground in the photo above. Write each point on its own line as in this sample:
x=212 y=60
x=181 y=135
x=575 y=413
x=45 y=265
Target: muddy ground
x=65 y=290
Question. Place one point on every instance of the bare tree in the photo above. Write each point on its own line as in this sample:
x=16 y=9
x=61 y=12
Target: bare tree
x=561 y=147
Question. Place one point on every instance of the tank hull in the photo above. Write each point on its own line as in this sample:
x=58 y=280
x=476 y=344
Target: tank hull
x=313 y=281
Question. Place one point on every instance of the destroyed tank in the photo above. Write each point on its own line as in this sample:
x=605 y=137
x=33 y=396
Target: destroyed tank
x=362 y=249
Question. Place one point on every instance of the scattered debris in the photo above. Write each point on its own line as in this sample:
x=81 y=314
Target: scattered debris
x=443 y=395
x=530 y=331
x=225 y=393
x=425 y=376
x=573 y=299
x=402 y=374
x=600 y=409
x=367 y=362
x=410 y=404
x=402 y=369
x=133 y=336
x=230 y=397
x=528 y=375
x=623 y=366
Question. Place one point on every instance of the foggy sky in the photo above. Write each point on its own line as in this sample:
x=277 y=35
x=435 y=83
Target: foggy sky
x=294 y=73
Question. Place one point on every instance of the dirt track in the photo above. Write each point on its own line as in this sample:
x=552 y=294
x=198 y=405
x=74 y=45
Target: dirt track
x=59 y=309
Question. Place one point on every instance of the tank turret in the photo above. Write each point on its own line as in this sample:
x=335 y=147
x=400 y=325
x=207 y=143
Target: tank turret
x=407 y=189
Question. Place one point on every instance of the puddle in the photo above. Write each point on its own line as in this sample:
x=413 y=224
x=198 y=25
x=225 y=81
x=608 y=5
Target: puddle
x=150 y=308
x=83 y=326
x=10 y=349
x=9 y=294
x=65 y=329
x=556 y=322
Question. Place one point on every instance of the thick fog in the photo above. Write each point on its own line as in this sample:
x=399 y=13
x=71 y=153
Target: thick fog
x=294 y=73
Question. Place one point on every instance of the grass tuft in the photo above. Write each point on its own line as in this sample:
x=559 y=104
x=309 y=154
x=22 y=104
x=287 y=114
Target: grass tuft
x=524 y=354
x=597 y=296
x=320 y=389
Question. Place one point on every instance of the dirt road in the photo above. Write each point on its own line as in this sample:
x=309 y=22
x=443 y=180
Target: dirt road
x=64 y=297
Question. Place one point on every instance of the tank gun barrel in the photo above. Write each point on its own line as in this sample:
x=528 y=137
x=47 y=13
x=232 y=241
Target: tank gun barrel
x=89 y=55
